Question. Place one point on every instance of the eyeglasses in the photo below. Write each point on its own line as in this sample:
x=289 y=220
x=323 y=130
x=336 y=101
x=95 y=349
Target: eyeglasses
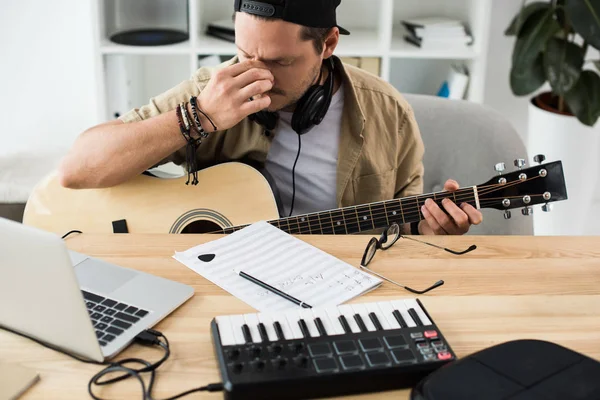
x=388 y=238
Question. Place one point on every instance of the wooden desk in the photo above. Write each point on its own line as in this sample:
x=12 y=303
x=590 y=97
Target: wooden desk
x=509 y=288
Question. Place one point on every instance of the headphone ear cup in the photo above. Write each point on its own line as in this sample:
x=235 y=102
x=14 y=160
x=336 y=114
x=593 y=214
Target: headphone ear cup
x=313 y=106
x=307 y=109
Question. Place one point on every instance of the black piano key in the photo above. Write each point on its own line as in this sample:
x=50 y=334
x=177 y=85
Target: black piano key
x=399 y=318
x=360 y=323
x=320 y=327
x=304 y=329
x=263 y=332
x=415 y=316
x=247 y=334
x=278 y=330
x=375 y=321
x=345 y=324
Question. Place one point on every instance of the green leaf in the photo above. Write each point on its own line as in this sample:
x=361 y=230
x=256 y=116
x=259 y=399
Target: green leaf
x=584 y=98
x=526 y=12
x=585 y=18
x=537 y=30
x=563 y=62
x=528 y=78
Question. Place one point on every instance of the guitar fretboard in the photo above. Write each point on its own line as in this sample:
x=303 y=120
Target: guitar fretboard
x=356 y=219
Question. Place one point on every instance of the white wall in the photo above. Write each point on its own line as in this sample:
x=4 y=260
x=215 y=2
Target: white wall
x=47 y=76
x=497 y=89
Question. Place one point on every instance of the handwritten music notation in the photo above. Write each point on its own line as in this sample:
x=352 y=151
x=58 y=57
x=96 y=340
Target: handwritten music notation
x=282 y=261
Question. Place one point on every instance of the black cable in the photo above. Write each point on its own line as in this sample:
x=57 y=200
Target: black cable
x=294 y=176
x=69 y=233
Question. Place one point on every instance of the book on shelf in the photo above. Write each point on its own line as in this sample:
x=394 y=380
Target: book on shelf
x=437 y=32
x=456 y=83
x=222 y=29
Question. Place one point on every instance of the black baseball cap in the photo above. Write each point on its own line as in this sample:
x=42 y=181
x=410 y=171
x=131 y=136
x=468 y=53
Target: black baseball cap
x=311 y=13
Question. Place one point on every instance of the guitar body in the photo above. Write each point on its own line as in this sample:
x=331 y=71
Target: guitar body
x=233 y=195
x=227 y=195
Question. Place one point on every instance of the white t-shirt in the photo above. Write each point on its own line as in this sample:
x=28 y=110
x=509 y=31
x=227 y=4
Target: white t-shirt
x=316 y=170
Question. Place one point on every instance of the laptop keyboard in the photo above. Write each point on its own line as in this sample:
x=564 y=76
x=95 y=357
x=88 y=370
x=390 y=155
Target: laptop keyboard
x=110 y=317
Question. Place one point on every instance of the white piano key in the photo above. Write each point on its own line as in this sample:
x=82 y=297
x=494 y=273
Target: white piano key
x=347 y=311
x=267 y=321
x=252 y=322
x=334 y=314
x=374 y=308
x=225 y=331
x=309 y=318
x=401 y=306
x=387 y=310
x=237 y=321
x=293 y=317
x=361 y=310
x=321 y=313
x=412 y=303
x=285 y=325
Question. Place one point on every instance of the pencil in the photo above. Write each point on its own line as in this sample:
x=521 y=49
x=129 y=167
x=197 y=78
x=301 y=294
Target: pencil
x=274 y=290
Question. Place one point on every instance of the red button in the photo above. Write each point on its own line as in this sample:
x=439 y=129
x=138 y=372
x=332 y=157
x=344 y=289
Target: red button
x=430 y=334
x=444 y=355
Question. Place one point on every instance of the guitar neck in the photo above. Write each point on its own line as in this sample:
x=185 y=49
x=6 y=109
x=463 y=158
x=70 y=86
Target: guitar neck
x=363 y=218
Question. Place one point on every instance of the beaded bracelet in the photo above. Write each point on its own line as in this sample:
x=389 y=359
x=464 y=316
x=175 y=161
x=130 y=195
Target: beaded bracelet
x=195 y=107
x=199 y=127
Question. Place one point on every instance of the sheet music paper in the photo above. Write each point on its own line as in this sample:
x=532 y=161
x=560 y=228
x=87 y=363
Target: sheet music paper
x=282 y=261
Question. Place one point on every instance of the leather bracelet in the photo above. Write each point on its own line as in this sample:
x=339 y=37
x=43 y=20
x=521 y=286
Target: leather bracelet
x=186 y=117
x=414 y=228
x=184 y=132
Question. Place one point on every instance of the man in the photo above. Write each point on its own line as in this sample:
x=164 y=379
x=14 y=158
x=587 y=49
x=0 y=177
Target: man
x=366 y=149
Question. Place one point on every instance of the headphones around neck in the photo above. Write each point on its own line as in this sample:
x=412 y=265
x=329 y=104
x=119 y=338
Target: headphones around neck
x=310 y=109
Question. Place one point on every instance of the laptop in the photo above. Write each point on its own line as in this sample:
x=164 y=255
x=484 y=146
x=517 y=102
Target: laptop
x=80 y=304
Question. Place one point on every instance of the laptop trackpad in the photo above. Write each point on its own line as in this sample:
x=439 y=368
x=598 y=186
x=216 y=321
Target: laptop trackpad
x=102 y=277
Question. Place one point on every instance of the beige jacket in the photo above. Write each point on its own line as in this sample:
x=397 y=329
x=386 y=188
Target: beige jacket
x=380 y=153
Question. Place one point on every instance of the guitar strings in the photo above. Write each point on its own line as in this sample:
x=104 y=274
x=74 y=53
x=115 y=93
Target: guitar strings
x=318 y=225
x=462 y=195
x=408 y=214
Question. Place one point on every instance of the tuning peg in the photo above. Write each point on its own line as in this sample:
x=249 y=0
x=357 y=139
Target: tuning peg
x=527 y=211
x=507 y=214
x=540 y=158
x=547 y=207
x=520 y=163
x=500 y=167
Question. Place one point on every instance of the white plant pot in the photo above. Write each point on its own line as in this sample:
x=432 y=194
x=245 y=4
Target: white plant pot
x=564 y=138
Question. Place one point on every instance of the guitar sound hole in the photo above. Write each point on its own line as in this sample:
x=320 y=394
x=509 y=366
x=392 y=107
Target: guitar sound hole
x=201 y=227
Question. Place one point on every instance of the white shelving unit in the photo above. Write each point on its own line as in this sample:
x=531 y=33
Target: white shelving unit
x=129 y=75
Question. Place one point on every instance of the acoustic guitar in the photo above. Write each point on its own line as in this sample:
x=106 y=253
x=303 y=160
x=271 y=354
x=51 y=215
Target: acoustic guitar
x=232 y=195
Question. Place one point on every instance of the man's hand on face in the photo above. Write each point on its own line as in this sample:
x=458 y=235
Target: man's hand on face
x=456 y=221
x=226 y=97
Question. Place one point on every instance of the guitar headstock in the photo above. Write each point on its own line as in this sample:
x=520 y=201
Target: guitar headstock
x=524 y=188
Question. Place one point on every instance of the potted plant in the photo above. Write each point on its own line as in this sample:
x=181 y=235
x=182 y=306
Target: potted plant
x=549 y=63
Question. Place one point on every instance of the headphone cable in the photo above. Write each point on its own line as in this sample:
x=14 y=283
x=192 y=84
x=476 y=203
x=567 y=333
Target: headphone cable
x=294 y=176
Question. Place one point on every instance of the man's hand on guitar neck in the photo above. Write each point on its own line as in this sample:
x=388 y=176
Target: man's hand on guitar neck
x=455 y=221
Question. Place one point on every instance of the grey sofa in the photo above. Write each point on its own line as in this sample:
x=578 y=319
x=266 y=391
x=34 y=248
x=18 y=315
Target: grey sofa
x=464 y=141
